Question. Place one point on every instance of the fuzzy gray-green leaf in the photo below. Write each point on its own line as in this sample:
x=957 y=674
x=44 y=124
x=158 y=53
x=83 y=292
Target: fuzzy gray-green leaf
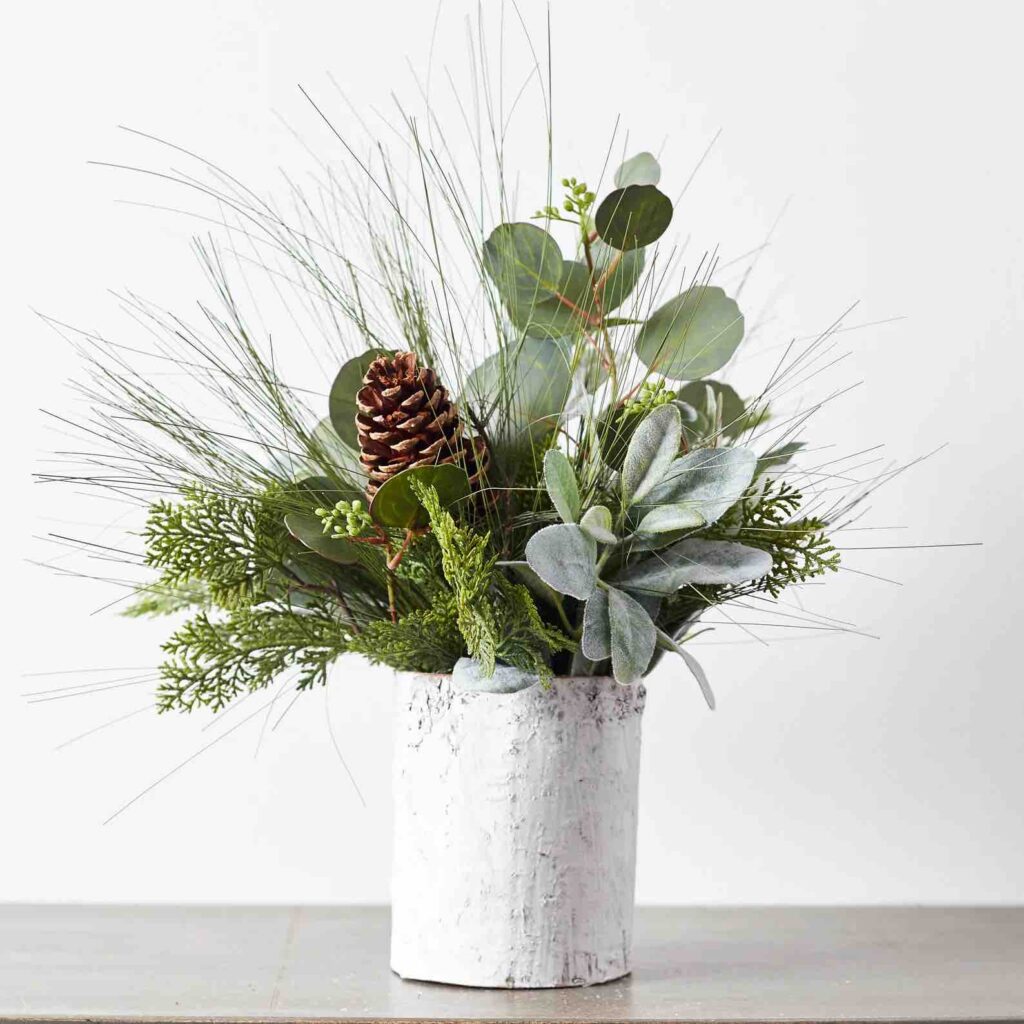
x=695 y=561
x=670 y=518
x=652 y=448
x=632 y=637
x=692 y=335
x=560 y=481
x=666 y=642
x=597 y=523
x=597 y=638
x=708 y=480
x=565 y=558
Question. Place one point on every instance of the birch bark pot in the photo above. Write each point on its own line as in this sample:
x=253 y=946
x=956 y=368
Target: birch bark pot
x=515 y=832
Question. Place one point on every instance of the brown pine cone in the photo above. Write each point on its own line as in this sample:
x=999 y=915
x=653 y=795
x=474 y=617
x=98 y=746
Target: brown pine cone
x=405 y=418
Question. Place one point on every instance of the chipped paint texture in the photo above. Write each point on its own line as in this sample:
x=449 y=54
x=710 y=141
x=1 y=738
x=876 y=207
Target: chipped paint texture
x=515 y=832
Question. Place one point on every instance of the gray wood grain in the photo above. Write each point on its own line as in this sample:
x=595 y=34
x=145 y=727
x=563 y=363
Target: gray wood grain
x=166 y=963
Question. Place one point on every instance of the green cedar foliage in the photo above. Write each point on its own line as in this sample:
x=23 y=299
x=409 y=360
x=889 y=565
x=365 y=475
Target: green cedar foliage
x=234 y=545
x=767 y=519
x=496 y=617
x=210 y=661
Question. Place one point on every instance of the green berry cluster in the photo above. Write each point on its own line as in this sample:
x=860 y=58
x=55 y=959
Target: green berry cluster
x=345 y=519
x=652 y=394
x=578 y=200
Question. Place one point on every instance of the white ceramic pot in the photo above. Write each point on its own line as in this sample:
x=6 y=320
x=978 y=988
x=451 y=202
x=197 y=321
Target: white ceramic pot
x=515 y=832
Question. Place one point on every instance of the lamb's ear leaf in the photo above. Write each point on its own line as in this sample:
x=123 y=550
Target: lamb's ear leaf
x=597 y=523
x=597 y=640
x=396 y=504
x=696 y=561
x=632 y=217
x=342 y=399
x=652 y=449
x=670 y=518
x=641 y=169
x=560 y=481
x=667 y=643
x=632 y=637
x=565 y=558
x=709 y=480
x=308 y=530
x=692 y=335
x=524 y=262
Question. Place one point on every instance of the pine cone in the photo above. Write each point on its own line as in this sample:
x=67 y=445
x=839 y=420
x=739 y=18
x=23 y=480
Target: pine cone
x=405 y=419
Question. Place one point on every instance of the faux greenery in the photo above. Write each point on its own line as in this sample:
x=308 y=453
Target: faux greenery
x=622 y=488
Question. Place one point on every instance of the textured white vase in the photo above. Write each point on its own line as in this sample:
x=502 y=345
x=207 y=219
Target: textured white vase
x=515 y=832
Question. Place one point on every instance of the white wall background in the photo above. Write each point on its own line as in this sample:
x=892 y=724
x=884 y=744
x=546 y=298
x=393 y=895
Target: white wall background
x=837 y=768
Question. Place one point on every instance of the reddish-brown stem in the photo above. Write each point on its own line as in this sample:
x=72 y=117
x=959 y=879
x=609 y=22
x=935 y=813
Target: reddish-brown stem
x=395 y=560
x=589 y=318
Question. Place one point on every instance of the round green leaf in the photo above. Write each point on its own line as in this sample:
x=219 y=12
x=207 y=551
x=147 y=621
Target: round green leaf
x=524 y=262
x=529 y=387
x=734 y=417
x=308 y=530
x=642 y=169
x=342 y=401
x=624 y=274
x=634 y=216
x=549 y=317
x=396 y=504
x=692 y=335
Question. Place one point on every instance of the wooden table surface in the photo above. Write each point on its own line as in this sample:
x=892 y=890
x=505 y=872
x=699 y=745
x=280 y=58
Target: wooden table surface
x=170 y=963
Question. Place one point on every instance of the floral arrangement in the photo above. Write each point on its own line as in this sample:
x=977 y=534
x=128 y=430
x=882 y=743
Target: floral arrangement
x=569 y=506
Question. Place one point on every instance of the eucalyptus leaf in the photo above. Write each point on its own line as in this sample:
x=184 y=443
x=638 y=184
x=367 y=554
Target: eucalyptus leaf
x=589 y=371
x=565 y=558
x=620 y=272
x=597 y=523
x=321 y=491
x=342 y=400
x=331 y=452
x=695 y=561
x=565 y=315
x=779 y=456
x=396 y=504
x=532 y=383
x=669 y=519
x=734 y=413
x=634 y=216
x=666 y=642
x=708 y=480
x=652 y=448
x=597 y=638
x=632 y=637
x=309 y=531
x=560 y=481
x=692 y=335
x=642 y=169
x=524 y=262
